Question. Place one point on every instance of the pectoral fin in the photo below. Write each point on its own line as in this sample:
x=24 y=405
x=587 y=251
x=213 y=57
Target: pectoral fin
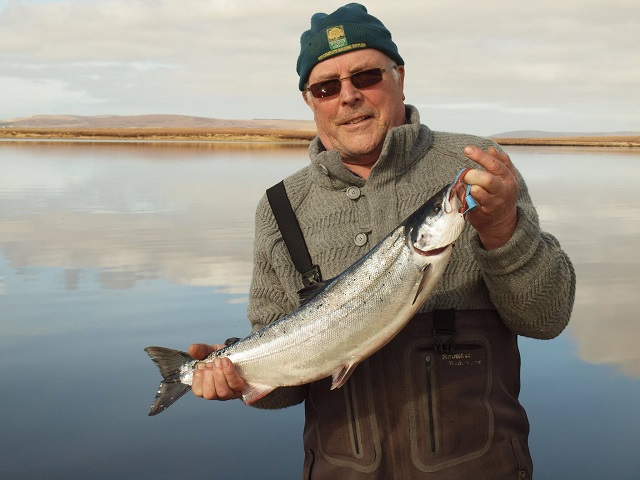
x=420 y=284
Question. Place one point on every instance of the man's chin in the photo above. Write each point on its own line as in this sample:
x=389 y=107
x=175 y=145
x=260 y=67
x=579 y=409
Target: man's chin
x=360 y=145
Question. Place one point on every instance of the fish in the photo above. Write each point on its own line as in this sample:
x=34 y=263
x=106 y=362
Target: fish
x=341 y=321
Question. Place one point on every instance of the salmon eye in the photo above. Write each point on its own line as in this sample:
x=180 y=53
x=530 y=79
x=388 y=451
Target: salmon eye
x=437 y=207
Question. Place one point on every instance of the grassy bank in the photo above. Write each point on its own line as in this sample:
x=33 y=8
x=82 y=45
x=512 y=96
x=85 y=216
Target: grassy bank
x=182 y=134
x=606 y=141
x=266 y=135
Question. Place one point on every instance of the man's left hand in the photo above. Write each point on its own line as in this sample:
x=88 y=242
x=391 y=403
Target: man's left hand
x=495 y=190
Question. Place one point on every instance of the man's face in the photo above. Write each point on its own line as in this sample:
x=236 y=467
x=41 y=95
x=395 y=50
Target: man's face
x=356 y=121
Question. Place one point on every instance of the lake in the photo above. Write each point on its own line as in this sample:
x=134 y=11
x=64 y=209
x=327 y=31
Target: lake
x=107 y=247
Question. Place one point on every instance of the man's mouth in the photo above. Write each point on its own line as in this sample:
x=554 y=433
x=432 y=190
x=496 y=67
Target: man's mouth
x=355 y=121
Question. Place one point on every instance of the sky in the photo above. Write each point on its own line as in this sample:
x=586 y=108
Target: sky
x=475 y=67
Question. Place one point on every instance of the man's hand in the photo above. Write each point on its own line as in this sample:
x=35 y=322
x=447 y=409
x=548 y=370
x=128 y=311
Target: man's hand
x=495 y=191
x=217 y=380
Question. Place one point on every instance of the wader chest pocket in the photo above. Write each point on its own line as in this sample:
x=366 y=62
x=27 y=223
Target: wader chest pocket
x=449 y=394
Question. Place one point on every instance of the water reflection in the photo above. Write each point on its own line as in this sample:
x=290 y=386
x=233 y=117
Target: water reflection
x=184 y=212
x=137 y=211
x=590 y=200
x=107 y=247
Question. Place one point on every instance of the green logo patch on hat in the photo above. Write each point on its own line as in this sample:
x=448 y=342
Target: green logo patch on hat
x=338 y=43
x=336 y=37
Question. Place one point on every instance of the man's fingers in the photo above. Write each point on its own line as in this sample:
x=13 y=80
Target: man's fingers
x=235 y=382
x=495 y=190
x=503 y=157
x=205 y=382
x=198 y=378
x=213 y=388
x=217 y=380
x=498 y=177
x=222 y=388
x=495 y=162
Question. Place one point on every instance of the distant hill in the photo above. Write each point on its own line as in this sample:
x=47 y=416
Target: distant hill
x=186 y=121
x=149 y=121
x=543 y=134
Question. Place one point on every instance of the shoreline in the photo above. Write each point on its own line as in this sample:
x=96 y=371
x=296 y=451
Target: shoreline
x=269 y=135
x=266 y=135
x=613 y=141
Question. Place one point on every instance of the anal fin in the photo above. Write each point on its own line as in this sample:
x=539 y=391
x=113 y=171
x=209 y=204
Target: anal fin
x=341 y=377
x=254 y=392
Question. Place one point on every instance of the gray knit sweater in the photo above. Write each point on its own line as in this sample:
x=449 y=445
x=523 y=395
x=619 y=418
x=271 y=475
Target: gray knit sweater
x=529 y=281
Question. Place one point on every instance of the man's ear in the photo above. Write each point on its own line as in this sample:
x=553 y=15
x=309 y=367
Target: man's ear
x=305 y=97
x=401 y=80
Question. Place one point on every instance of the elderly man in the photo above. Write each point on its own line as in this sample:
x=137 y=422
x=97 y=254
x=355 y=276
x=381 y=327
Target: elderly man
x=441 y=399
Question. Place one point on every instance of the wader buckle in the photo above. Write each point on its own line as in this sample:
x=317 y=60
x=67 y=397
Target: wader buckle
x=311 y=276
x=444 y=331
x=444 y=342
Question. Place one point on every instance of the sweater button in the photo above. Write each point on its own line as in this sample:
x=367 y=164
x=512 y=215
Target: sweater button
x=353 y=192
x=360 y=239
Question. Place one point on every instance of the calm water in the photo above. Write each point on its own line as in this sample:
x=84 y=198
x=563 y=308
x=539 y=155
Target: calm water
x=106 y=248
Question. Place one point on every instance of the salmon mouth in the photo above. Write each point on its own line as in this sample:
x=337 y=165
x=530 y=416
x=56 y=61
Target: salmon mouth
x=431 y=253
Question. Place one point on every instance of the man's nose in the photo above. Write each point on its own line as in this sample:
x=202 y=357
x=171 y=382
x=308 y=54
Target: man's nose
x=349 y=93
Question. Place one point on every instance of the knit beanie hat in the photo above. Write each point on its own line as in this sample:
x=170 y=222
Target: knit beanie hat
x=348 y=28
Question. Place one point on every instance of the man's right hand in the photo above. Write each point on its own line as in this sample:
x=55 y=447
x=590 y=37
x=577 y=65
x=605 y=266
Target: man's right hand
x=217 y=380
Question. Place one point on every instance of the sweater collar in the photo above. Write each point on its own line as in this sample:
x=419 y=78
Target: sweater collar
x=403 y=146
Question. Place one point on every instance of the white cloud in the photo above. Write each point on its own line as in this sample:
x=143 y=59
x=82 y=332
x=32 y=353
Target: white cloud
x=41 y=95
x=546 y=65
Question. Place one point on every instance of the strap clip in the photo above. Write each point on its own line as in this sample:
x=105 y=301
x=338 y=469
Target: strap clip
x=312 y=276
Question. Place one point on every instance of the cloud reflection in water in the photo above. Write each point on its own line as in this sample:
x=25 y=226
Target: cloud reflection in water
x=131 y=212
x=137 y=211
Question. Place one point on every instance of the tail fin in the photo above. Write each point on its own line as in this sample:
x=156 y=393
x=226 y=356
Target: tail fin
x=171 y=364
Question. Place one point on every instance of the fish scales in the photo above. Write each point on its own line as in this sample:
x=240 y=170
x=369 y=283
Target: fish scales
x=355 y=304
x=346 y=320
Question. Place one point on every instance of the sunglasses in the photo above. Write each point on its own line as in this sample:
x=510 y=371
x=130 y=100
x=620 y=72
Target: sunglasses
x=364 y=79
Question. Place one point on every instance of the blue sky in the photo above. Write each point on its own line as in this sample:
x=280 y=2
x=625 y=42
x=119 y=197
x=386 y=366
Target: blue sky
x=478 y=67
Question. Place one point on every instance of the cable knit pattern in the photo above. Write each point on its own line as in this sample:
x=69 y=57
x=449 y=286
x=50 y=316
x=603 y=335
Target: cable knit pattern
x=529 y=281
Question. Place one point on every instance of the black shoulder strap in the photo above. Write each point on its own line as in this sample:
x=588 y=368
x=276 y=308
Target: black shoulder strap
x=292 y=234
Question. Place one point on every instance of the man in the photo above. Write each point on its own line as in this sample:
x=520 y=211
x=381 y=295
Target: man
x=440 y=400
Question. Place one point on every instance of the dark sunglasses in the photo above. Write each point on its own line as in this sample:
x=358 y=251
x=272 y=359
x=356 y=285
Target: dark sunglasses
x=364 y=79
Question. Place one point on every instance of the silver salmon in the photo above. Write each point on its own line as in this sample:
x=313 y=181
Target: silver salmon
x=342 y=321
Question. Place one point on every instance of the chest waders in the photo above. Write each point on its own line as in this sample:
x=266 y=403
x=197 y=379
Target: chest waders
x=440 y=401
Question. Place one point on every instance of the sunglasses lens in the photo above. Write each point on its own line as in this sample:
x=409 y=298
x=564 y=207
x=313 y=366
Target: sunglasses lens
x=330 y=88
x=325 y=89
x=367 y=78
